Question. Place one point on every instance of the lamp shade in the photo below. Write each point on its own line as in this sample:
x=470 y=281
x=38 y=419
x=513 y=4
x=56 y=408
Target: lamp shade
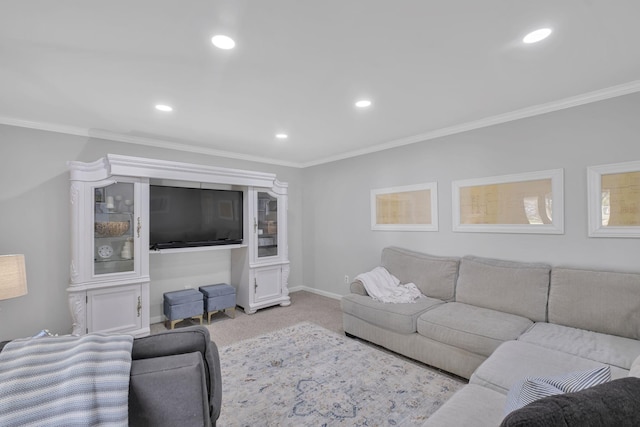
x=13 y=276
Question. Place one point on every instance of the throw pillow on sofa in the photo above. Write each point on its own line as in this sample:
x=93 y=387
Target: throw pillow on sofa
x=531 y=389
x=612 y=404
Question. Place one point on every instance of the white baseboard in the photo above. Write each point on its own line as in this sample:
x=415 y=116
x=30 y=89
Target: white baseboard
x=316 y=291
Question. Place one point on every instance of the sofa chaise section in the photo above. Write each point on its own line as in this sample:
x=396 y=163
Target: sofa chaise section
x=569 y=341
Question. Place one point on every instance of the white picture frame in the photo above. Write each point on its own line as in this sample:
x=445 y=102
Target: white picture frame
x=614 y=211
x=531 y=202
x=405 y=208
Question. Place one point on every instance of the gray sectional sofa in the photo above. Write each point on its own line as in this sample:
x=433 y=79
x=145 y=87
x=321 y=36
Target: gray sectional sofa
x=496 y=322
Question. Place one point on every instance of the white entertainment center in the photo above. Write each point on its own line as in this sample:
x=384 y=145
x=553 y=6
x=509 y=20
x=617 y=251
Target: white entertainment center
x=109 y=273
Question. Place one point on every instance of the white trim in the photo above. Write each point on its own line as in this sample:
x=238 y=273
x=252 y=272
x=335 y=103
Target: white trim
x=433 y=189
x=557 y=188
x=535 y=110
x=139 y=140
x=316 y=291
x=594 y=200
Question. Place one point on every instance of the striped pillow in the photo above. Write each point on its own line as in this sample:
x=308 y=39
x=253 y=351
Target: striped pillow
x=533 y=388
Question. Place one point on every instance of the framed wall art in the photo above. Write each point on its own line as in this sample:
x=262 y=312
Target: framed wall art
x=407 y=208
x=520 y=203
x=614 y=200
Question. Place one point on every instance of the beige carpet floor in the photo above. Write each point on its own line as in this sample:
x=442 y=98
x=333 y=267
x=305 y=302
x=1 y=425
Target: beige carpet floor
x=305 y=307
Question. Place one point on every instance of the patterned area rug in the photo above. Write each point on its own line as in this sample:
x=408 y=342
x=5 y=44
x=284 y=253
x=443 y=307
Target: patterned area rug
x=306 y=375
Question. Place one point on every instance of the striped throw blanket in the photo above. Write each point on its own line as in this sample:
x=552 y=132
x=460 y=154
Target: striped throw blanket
x=66 y=381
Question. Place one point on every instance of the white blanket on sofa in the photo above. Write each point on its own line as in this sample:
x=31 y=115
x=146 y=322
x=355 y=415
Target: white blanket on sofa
x=66 y=381
x=384 y=287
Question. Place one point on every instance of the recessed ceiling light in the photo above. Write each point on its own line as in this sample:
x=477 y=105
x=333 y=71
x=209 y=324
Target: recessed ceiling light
x=223 y=42
x=537 y=35
x=363 y=103
x=165 y=108
x=282 y=136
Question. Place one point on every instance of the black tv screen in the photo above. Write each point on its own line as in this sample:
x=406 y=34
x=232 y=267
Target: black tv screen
x=189 y=217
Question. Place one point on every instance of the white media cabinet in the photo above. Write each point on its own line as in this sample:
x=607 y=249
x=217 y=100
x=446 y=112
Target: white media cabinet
x=109 y=272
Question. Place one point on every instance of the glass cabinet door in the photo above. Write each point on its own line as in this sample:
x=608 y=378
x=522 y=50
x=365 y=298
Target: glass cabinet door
x=267 y=225
x=114 y=228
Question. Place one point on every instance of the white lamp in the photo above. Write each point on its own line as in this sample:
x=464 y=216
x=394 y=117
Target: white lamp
x=13 y=276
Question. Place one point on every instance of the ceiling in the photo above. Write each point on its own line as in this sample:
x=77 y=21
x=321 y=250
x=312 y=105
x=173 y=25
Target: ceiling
x=430 y=68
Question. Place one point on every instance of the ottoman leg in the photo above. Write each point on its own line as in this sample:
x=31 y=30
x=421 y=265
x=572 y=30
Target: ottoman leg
x=209 y=314
x=199 y=317
x=231 y=312
x=171 y=324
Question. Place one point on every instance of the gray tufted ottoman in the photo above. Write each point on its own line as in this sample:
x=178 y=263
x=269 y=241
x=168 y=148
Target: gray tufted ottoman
x=219 y=297
x=183 y=304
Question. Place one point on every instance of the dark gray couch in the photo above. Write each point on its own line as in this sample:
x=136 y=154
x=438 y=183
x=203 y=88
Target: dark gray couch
x=175 y=379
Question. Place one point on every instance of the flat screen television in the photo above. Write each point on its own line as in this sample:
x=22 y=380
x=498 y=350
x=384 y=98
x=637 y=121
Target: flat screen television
x=190 y=217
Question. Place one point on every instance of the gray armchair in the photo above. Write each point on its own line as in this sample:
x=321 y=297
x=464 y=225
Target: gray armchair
x=175 y=379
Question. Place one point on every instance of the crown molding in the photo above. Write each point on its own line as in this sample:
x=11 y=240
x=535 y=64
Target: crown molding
x=151 y=142
x=574 y=101
x=49 y=127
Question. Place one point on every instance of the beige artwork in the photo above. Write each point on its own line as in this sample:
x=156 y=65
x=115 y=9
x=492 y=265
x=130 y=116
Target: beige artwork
x=524 y=202
x=621 y=199
x=407 y=207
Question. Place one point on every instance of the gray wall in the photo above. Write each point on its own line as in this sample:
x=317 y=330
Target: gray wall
x=34 y=220
x=329 y=215
x=338 y=240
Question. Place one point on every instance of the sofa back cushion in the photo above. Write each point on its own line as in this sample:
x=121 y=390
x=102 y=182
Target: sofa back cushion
x=599 y=301
x=435 y=276
x=512 y=287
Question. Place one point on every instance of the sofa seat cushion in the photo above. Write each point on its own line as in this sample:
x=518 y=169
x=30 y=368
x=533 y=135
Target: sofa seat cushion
x=400 y=318
x=608 y=349
x=472 y=405
x=516 y=360
x=475 y=329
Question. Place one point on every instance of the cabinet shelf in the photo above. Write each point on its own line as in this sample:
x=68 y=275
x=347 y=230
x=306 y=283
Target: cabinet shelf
x=196 y=249
x=112 y=259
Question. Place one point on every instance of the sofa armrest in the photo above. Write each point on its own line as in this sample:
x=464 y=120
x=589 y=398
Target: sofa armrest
x=357 y=287
x=182 y=341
